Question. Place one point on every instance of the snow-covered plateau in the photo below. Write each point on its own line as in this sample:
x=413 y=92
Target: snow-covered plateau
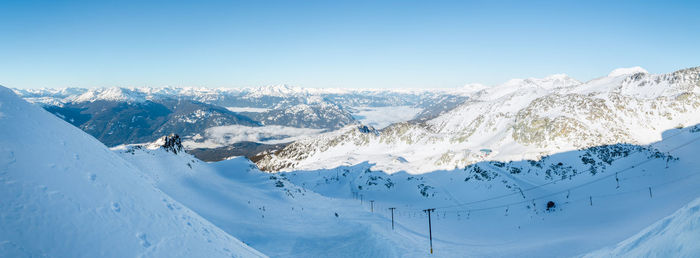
x=548 y=167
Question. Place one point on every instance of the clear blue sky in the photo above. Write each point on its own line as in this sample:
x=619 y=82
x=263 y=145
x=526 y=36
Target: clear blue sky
x=336 y=44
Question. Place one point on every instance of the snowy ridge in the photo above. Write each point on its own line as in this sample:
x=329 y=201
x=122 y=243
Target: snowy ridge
x=206 y=95
x=110 y=94
x=209 y=95
x=66 y=194
x=521 y=119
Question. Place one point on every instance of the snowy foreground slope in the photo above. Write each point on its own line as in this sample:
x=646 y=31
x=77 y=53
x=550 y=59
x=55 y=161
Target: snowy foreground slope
x=677 y=235
x=270 y=213
x=64 y=194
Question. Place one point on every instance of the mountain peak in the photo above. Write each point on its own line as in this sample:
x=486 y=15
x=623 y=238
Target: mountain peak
x=277 y=90
x=109 y=94
x=171 y=143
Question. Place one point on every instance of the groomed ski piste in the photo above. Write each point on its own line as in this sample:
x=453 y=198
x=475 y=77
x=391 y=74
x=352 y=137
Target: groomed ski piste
x=67 y=195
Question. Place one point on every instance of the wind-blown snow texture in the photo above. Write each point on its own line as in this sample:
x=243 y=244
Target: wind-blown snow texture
x=64 y=194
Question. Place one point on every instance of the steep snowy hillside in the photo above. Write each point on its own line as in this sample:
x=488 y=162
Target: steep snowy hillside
x=64 y=194
x=521 y=119
x=677 y=235
x=269 y=212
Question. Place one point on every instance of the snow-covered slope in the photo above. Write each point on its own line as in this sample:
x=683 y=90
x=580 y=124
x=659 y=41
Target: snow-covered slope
x=521 y=119
x=677 y=235
x=600 y=196
x=64 y=194
x=269 y=212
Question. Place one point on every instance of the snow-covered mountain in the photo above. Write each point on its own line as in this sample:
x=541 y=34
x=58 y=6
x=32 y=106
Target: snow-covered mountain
x=312 y=112
x=118 y=116
x=564 y=204
x=287 y=213
x=575 y=195
x=115 y=122
x=521 y=119
x=256 y=97
x=64 y=194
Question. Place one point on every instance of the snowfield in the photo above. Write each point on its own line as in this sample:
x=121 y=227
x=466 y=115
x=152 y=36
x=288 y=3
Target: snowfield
x=64 y=194
x=677 y=235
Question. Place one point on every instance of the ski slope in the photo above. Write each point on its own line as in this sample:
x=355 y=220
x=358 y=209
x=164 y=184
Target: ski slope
x=593 y=211
x=64 y=194
x=492 y=217
x=677 y=235
x=270 y=213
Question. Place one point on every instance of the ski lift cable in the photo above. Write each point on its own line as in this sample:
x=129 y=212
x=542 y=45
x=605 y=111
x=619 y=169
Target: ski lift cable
x=575 y=187
x=641 y=189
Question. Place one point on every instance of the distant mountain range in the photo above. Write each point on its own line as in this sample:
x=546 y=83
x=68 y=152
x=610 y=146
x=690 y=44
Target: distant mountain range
x=118 y=116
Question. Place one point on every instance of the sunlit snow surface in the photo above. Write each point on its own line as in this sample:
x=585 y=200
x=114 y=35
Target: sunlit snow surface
x=68 y=195
x=293 y=214
x=520 y=119
x=64 y=194
x=677 y=235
